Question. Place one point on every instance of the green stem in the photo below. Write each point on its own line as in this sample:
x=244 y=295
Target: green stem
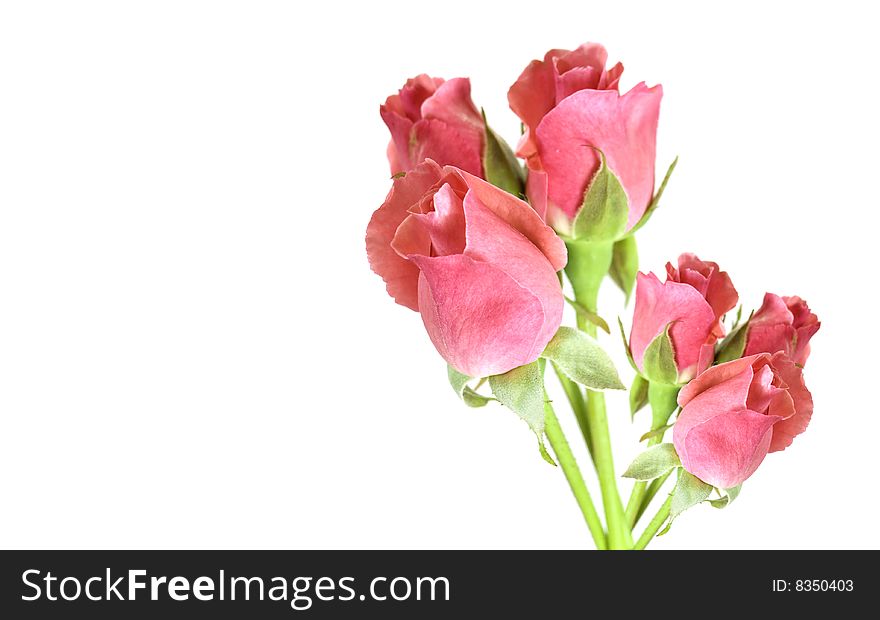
x=663 y=402
x=655 y=525
x=652 y=491
x=573 y=474
x=587 y=265
x=576 y=400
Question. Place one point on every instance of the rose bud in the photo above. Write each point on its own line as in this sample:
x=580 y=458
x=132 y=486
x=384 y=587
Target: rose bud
x=436 y=119
x=570 y=106
x=735 y=413
x=782 y=324
x=477 y=263
x=687 y=310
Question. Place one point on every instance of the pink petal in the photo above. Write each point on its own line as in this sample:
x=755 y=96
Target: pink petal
x=491 y=240
x=521 y=217
x=454 y=145
x=657 y=305
x=401 y=276
x=531 y=97
x=719 y=374
x=786 y=430
x=623 y=127
x=725 y=449
x=400 y=128
x=443 y=228
x=480 y=320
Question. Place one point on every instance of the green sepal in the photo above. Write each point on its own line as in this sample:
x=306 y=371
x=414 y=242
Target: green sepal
x=582 y=360
x=522 y=391
x=658 y=363
x=468 y=395
x=625 y=264
x=629 y=355
x=603 y=214
x=589 y=316
x=664 y=402
x=500 y=164
x=653 y=462
x=638 y=395
x=727 y=498
x=655 y=202
x=689 y=491
x=732 y=347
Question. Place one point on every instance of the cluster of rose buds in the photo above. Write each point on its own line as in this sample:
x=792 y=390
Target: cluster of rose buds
x=475 y=236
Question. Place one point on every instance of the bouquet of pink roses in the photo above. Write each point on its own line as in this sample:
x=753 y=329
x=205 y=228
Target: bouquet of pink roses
x=477 y=243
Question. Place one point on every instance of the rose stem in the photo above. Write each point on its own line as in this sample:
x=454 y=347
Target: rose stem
x=576 y=400
x=573 y=474
x=653 y=488
x=587 y=265
x=663 y=403
x=655 y=524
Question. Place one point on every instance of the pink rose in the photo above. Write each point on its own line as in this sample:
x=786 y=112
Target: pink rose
x=735 y=413
x=436 y=119
x=782 y=324
x=569 y=103
x=692 y=302
x=477 y=263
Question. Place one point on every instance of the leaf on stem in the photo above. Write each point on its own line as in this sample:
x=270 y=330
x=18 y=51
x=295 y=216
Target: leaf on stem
x=653 y=462
x=582 y=360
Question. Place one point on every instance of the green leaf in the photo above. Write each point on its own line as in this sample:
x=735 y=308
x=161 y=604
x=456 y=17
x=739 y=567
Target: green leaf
x=638 y=395
x=656 y=200
x=625 y=265
x=629 y=355
x=657 y=432
x=592 y=317
x=725 y=500
x=500 y=164
x=522 y=391
x=689 y=491
x=659 y=360
x=732 y=347
x=653 y=462
x=459 y=383
x=605 y=209
x=582 y=360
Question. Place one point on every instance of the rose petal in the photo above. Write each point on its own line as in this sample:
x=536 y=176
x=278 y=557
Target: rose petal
x=623 y=127
x=480 y=320
x=657 y=305
x=401 y=276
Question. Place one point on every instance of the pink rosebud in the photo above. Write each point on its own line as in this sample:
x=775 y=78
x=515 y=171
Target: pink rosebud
x=782 y=324
x=691 y=302
x=735 y=413
x=477 y=263
x=436 y=119
x=570 y=106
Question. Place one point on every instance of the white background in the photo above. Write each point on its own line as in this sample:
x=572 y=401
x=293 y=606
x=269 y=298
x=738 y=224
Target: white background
x=194 y=352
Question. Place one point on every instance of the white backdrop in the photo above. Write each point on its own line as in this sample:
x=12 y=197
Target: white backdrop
x=194 y=352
